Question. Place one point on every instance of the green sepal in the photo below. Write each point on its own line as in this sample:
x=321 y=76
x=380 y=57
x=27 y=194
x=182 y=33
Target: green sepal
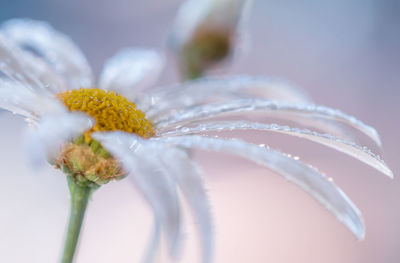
x=79 y=140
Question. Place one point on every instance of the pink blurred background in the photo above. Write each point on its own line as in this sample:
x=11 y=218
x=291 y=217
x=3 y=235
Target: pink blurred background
x=346 y=54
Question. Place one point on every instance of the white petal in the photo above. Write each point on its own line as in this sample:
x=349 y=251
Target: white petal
x=199 y=91
x=26 y=83
x=361 y=153
x=131 y=70
x=15 y=98
x=176 y=163
x=28 y=71
x=318 y=117
x=151 y=178
x=160 y=190
x=154 y=242
x=306 y=177
x=26 y=102
x=44 y=142
x=53 y=47
x=189 y=179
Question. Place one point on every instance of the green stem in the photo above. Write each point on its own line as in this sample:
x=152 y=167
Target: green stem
x=79 y=199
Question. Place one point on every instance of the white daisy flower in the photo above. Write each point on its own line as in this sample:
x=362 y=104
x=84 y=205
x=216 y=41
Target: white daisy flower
x=100 y=134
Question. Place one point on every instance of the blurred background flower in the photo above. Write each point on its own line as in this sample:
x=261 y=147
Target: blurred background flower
x=345 y=54
x=205 y=33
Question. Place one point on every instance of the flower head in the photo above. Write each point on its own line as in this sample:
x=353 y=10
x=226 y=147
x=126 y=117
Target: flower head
x=99 y=134
x=85 y=159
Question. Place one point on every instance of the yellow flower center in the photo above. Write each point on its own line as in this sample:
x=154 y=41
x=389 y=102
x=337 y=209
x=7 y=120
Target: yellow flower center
x=84 y=159
x=111 y=111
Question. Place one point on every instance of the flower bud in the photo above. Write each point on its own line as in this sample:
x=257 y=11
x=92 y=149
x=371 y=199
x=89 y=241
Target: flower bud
x=204 y=33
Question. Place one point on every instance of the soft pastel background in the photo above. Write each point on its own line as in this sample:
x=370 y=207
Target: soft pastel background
x=346 y=54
